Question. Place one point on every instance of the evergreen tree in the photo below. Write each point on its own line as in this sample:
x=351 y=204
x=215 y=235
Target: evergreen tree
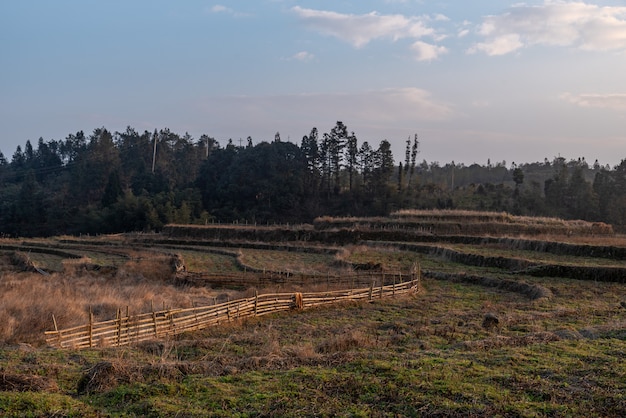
x=352 y=151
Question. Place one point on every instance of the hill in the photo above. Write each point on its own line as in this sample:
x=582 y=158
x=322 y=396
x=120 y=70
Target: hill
x=514 y=317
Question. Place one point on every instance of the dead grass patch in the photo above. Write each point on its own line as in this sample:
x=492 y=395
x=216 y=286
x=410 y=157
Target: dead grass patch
x=343 y=342
x=106 y=375
x=26 y=383
x=500 y=341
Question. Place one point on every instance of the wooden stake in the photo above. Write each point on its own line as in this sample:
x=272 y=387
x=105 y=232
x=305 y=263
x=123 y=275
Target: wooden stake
x=119 y=326
x=57 y=330
x=256 y=301
x=90 y=328
x=154 y=321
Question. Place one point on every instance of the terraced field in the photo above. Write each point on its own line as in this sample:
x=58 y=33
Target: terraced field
x=489 y=333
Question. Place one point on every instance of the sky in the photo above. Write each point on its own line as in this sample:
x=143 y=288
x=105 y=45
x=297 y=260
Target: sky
x=475 y=80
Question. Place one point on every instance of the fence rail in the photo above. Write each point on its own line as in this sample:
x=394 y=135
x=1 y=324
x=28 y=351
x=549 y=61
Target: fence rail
x=273 y=278
x=130 y=329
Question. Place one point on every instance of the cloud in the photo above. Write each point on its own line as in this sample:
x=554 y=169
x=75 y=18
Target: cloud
x=463 y=33
x=218 y=8
x=360 y=30
x=554 y=23
x=427 y=52
x=499 y=46
x=303 y=56
x=615 y=101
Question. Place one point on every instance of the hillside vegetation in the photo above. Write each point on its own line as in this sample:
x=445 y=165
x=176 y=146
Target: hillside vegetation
x=110 y=182
x=515 y=316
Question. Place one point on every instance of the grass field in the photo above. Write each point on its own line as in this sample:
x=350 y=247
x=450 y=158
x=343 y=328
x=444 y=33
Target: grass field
x=460 y=347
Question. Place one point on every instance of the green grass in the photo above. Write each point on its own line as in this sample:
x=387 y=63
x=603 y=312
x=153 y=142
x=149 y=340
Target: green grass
x=202 y=261
x=499 y=251
x=423 y=355
x=398 y=357
x=288 y=261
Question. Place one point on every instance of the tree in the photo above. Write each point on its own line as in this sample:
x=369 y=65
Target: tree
x=384 y=160
x=311 y=154
x=310 y=149
x=335 y=142
x=383 y=167
x=366 y=162
x=414 y=152
x=19 y=160
x=113 y=189
x=30 y=211
x=91 y=171
x=518 y=177
x=352 y=151
x=72 y=147
x=4 y=165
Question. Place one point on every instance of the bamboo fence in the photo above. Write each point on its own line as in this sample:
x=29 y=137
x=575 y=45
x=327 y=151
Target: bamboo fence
x=269 y=278
x=128 y=329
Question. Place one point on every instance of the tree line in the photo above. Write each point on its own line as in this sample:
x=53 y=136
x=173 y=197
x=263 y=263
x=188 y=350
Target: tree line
x=130 y=181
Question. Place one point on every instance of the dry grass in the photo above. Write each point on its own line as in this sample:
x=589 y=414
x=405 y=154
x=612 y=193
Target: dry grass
x=288 y=261
x=469 y=223
x=29 y=300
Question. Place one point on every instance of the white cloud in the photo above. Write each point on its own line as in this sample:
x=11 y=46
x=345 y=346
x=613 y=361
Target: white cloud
x=218 y=8
x=615 y=101
x=554 y=23
x=427 y=52
x=498 y=46
x=303 y=56
x=360 y=30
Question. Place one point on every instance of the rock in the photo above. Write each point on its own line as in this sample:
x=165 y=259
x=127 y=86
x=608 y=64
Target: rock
x=490 y=321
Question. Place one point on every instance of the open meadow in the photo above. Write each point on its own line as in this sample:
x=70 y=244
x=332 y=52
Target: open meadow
x=516 y=317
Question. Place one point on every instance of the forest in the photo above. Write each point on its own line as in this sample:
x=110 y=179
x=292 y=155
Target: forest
x=110 y=182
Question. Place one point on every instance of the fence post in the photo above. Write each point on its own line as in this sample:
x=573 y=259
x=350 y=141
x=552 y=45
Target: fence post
x=256 y=301
x=119 y=326
x=154 y=321
x=128 y=333
x=299 y=301
x=172 y=323
x=90 y=328
x=419 y=273
x=371 y=290
x=56 y=328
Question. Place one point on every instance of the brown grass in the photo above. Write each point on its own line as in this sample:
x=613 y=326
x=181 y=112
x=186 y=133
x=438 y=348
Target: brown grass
x=28 y=301
x=26 y=383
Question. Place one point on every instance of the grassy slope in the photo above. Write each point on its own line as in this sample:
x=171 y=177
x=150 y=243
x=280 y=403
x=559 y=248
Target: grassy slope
x=424 y=355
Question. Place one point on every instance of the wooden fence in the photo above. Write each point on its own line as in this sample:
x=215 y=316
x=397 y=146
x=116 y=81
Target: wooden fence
x=129 y=329
x=273 y=279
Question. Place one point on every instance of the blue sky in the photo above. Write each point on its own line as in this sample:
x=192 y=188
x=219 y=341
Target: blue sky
x=476 y=80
